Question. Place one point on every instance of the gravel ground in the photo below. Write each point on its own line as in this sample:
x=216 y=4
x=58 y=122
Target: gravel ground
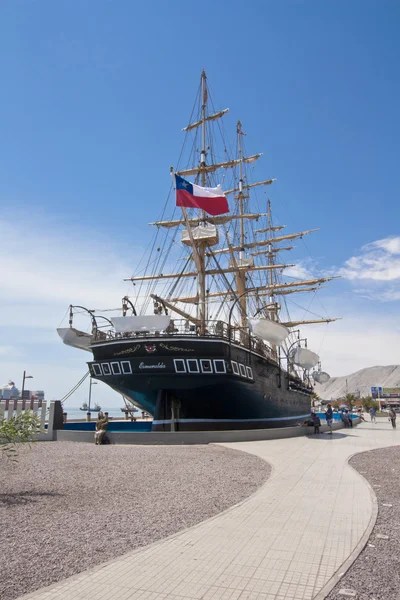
x=66 y=507
x=375 y=575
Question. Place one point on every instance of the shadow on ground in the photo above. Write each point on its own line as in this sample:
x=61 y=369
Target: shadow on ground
x=325 y=436
x=24 y=497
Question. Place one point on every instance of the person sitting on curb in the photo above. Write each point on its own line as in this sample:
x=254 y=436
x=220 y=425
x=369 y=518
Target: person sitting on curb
x=349 y=419
x=360 y=414
x=101 y=427
x=329 y=418
x=344 y=419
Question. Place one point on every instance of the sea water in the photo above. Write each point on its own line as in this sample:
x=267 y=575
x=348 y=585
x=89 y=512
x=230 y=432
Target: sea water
x=75 y=413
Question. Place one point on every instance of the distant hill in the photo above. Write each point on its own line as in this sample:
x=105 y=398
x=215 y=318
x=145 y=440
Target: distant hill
x=361 y=381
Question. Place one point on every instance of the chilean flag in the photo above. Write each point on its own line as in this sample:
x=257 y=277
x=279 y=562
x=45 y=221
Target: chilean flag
x=190 y=195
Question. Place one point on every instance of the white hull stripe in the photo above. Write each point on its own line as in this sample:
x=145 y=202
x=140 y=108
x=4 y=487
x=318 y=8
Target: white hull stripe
x=166 y=422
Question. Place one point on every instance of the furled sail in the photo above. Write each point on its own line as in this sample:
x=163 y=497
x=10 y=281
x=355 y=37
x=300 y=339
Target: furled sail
x=303 y=357
x=224 y=165
x=219 y=220
x=273 y=332
x=250 y=185
x=272 y=240
x=141 y=323
x=213 y=117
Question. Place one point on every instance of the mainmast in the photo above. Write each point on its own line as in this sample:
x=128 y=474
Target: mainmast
x=240 y=275
x=201 y=246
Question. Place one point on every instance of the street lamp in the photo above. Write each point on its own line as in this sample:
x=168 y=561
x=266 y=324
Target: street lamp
x=25 y=376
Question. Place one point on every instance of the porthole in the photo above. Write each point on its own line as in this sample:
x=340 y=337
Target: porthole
x=242 y=370
x=249 y=372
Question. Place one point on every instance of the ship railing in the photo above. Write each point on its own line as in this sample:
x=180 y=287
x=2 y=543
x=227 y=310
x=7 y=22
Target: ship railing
x=181 y=327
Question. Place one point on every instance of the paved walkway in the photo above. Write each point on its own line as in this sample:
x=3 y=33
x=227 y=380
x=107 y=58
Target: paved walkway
x=285 y=542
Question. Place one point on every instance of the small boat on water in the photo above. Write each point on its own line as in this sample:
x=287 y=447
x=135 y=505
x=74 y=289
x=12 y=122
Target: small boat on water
x=85 y=407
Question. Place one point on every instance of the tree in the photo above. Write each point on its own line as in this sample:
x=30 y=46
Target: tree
x=19 y=429
x=350 y=400
x=369 y=403
x=315 y=399
x=336 y=404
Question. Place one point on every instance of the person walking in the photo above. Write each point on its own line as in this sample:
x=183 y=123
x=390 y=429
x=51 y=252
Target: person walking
x=372 y=412
x=101 y=427
x=329 y=418
x=392 y=416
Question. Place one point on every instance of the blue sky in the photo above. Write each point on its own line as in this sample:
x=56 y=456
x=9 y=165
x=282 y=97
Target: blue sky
x=94 y=96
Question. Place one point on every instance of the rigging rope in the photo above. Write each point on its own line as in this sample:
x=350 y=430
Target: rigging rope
x=74 y=388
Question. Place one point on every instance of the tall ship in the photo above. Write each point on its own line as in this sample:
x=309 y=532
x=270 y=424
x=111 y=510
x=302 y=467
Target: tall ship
x=205 y=341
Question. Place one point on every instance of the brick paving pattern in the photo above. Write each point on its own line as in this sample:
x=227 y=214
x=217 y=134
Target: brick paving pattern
x=284 y=543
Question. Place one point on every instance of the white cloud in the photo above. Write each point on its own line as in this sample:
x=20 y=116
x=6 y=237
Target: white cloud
x=377 y=261
x=9 y=351
x=304 y=269
x=57 y=267
x=44 y=267
x=355 y=343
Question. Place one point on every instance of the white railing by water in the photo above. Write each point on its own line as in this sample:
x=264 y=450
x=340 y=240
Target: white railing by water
x=45 y=434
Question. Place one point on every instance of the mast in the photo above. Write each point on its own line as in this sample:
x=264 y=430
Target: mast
x=241 y=274
x=201 y=248
x=241 y=208
x=272 y=308
x=273 y=312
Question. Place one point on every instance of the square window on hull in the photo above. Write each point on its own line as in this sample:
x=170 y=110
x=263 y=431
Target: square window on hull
x=219 y=366
x=235 y=367
x=206 y=366
x=106 y=369
x=193 y=365
x=116 y=369
x=180 y=366
x=96 y=370
x=126 y=367
x=242 y=370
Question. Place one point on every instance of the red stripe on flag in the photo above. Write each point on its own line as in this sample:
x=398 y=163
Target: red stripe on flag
x=214 y=206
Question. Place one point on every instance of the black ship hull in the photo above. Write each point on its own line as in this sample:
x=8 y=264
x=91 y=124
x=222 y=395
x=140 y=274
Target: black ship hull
x=200 y=383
